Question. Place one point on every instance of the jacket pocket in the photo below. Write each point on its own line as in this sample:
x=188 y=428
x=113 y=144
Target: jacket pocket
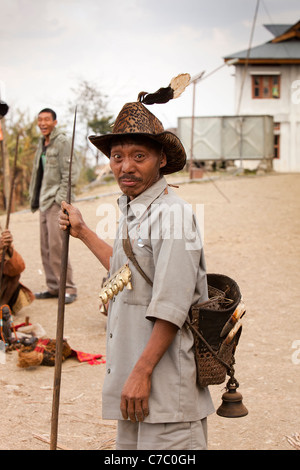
x=52 y=161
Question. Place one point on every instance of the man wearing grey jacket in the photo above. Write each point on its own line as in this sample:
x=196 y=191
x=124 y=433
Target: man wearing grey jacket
x=48 y=188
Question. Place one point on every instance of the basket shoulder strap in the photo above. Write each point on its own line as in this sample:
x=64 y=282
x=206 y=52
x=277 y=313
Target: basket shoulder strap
x=130 y=255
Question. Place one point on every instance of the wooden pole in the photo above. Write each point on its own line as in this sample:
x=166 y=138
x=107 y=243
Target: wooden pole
x=61 y=313
x=194 y=81
x=5 y=166
x=12 y=185
x=192 y=132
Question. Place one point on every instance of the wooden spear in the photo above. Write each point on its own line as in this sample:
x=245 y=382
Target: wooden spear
x=61 y=312
x=12 y=187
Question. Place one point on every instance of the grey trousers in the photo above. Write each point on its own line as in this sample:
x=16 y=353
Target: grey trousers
x=51 y=251
x=162 y=436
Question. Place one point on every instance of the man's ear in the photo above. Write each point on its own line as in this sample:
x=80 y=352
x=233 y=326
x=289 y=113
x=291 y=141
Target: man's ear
x=163 y=159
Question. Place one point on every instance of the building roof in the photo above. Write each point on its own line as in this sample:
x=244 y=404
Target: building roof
x=277 y=29
x=283 y=48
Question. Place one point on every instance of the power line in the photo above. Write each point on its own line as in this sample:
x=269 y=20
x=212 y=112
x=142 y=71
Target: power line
x=247 y=58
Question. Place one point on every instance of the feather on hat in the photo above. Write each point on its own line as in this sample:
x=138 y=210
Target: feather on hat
x=3 y=109
x=135 y=118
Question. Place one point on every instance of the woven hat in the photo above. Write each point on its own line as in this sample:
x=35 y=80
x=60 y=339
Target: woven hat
x=135 y=119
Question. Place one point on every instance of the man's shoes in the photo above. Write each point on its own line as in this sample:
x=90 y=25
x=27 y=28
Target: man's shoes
x=45 y=295
x=69 y=298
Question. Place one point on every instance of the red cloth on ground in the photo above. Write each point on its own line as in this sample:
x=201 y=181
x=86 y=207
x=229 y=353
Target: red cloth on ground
x=91 y=359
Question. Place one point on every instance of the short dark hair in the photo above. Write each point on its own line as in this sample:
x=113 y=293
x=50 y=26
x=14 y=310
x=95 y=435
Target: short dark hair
x=49 y=110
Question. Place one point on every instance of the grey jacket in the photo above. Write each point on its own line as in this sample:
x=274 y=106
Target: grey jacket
x=171 y=254
x=50 y=184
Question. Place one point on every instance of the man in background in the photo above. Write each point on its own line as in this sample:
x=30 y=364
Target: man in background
x=48 y=188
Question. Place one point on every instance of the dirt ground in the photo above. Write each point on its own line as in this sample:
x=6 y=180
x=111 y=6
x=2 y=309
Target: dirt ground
x=251 y=233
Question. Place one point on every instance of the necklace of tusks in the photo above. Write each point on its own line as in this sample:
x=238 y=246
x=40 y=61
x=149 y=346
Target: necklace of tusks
x=114 y=285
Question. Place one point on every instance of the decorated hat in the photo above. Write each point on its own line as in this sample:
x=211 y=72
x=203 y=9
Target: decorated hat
x=135 y=119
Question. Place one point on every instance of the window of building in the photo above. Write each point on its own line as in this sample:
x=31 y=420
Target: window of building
x=276 y=140
x=265 y=86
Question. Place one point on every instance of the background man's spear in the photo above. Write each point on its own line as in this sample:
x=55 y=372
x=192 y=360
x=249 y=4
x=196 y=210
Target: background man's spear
x=61 y=312
x=12 y=186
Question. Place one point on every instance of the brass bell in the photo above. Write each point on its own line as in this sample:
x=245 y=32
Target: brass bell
x=115 y=287
x=104 y=297
x=115 y=284
x=120 y=283
x=103 y=309
x=232 y=404
x=109 y=291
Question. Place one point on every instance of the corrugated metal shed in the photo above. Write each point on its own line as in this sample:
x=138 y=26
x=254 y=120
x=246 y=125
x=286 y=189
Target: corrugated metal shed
x=228 y=137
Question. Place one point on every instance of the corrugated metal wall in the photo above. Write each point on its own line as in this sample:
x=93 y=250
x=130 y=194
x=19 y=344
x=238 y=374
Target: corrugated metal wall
x=228 y=137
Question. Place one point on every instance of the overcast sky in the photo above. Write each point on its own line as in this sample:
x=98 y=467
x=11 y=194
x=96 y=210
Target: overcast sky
x=126 y=46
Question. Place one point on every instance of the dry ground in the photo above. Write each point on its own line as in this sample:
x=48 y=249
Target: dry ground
x=252 y=235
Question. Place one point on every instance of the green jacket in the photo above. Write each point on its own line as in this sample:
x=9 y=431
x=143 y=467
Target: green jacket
x=50 y=184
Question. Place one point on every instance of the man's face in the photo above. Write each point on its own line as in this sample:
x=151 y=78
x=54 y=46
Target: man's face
x=136 y=166
x=46 y=123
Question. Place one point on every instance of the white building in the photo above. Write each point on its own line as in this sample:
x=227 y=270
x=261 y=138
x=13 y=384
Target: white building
x=268 y=83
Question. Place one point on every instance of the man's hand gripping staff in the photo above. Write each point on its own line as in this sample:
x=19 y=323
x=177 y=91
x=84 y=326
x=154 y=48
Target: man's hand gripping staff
x=71 y=217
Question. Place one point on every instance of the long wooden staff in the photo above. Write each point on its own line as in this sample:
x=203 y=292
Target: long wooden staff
x=61 y=313
x=12 y=186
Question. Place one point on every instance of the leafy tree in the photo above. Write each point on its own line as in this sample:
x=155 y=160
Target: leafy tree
x=91 y=110
x=20 y=124
x=102 y=125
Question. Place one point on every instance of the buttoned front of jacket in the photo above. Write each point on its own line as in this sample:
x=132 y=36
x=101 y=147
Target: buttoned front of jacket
x=50 y=185
x=167 y=244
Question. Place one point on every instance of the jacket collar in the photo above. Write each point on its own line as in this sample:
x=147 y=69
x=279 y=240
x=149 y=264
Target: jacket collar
x=53 y=135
